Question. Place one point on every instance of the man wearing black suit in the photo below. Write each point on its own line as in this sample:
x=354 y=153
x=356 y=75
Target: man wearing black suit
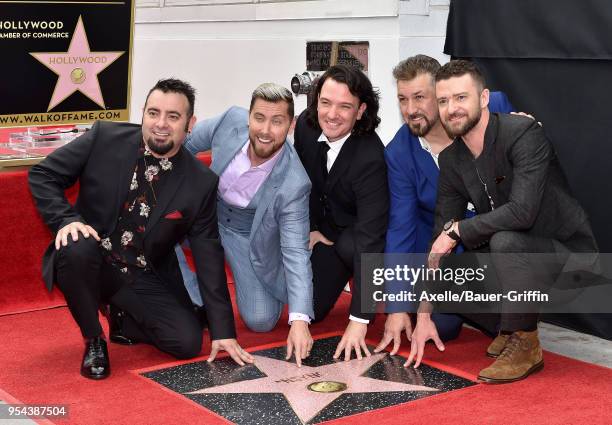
x=507 y=168
x=349 y=201
x=140 y=194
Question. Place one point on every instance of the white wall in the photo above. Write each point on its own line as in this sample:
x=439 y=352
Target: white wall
x=226 y=50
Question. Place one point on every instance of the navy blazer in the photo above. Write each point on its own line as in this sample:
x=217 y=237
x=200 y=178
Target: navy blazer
x=413 y=185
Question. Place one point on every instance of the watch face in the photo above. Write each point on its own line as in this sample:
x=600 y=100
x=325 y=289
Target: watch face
x=448 y=225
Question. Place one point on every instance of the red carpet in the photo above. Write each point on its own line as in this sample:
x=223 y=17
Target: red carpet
x=41 y=351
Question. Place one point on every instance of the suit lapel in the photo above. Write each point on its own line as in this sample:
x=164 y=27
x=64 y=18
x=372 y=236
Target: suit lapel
x=467 y=170
x=231 y=141
x=424 y=161
x=343 y=161
x=270 y=187
x=125 y=171
x=168 y=189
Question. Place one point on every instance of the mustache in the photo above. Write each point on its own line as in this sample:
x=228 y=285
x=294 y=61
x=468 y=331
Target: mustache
x=456 y=115
x=416 y=116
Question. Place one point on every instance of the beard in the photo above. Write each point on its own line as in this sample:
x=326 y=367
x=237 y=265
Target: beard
x=465 y=128
x=160 y=148
x=419 y=129
x=263 y=152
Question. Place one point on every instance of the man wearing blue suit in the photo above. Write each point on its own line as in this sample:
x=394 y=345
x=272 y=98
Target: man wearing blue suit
x=412 y=161
x=263 y=217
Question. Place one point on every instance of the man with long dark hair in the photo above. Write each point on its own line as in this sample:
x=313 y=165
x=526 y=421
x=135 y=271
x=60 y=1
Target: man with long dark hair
x=349 y=201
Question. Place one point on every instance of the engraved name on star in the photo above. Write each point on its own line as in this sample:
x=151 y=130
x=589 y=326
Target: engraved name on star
x=77 y=69
x=286 y=378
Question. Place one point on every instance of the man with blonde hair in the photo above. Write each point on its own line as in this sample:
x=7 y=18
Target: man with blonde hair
x=263 y=213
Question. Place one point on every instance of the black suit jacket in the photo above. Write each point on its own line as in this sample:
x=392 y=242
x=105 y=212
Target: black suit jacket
x=103 y=160
x=351 y=206
x=523 y=177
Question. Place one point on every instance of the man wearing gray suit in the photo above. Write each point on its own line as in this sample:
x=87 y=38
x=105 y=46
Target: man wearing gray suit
x=262 y=212
x=507 y=168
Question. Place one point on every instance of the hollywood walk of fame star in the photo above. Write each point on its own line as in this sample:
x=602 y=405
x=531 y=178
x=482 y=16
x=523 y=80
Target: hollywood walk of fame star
x=77 y=69
x=293 y=382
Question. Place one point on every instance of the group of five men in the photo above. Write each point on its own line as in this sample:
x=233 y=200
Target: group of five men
x=293 y=220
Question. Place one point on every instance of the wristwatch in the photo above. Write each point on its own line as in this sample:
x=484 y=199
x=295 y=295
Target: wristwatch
x=448 y=229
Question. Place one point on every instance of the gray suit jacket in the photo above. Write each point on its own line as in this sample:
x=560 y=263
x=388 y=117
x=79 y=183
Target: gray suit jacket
x=280 y=232
x=523 y=177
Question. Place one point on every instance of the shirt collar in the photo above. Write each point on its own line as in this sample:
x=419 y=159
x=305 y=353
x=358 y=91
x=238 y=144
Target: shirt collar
x=426 y=146
x=269 y=163
x=335 y=146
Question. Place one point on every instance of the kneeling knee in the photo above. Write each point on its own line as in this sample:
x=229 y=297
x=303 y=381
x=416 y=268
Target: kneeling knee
x=506 y=241
x=83 y=249
x=260 y=325
x=187 y=347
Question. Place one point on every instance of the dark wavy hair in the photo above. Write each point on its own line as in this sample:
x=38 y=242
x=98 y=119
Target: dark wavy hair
x=360 y=86
x=174 y=85
x=460 y=67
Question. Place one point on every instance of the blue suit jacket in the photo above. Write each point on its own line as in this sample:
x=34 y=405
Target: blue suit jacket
x=281 y=227
x=413 y=185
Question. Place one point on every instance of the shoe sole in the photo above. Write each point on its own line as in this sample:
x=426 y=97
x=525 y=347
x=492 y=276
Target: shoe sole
x=95 y=377
x=122 y=341
x=533 y=369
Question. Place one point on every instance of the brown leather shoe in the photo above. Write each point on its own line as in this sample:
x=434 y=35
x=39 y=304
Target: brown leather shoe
x=496 y=347
x=521 y=356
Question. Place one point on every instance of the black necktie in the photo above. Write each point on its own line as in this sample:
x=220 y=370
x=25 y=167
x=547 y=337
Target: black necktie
x=324 y=149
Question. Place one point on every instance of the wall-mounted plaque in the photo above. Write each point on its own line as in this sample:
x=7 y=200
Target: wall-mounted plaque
x=65 y=61
x=320 y=55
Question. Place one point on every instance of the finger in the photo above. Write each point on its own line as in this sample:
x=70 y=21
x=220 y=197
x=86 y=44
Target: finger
x=246 y=356
x=383 y=343
x=298 y=358
x=438 y=342
x=58 y=240
x=289 y=349
x=326 y=241
x=304 y=350
x=364 y=346
x=65 y=237
x=310 y=245
x=234 y=354
x=347 y=352
x=419 y=356
x=213 y=353
x=339 y=348
x=397 y=339
x=412 y=353
x=93 y=233
x=409 y=334
x=75 y=234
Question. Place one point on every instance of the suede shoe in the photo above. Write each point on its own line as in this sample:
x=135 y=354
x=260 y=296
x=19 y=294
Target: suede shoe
x=96 y=364
x=496 y=347
x=521 y=356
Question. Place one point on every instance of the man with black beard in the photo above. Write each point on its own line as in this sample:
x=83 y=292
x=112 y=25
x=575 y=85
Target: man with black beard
x=140 y=193
x=506 y=167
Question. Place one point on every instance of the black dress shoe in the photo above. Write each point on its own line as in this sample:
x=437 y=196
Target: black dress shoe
x=95 y=359
x=115 y=327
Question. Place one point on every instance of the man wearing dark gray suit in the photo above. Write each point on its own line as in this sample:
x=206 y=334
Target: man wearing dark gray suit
x=507 y=168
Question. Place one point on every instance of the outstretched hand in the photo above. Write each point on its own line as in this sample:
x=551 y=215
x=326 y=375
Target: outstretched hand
x=424 y=330
x=233 y=349
x=394 y=326
x=299 y=341
x=353 y=339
